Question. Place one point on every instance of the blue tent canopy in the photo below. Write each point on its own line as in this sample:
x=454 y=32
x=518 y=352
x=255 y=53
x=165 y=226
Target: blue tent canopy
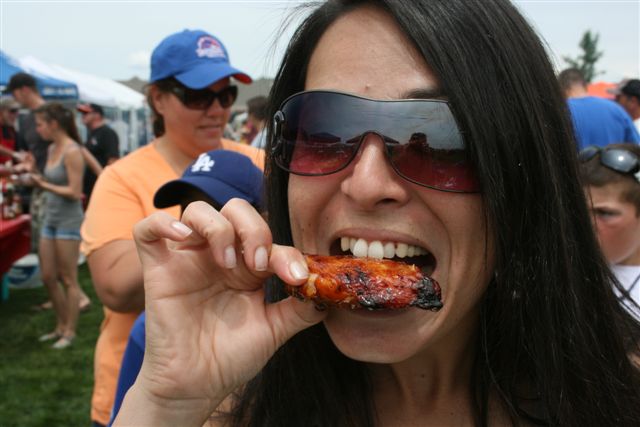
x=49 y=87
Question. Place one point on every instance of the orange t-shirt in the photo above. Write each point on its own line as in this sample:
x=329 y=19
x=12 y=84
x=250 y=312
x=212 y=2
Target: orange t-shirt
x=122 y=196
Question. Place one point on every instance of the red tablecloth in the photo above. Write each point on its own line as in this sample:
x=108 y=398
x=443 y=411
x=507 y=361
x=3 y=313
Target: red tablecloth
x=15 y=240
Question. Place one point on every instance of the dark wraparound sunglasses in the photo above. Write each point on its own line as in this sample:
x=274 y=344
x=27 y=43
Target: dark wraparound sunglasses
x=617 y=159
x=319 y=133
x=201 y=99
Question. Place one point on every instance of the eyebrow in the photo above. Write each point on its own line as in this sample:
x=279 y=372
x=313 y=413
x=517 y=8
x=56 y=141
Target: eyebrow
x=425 y=93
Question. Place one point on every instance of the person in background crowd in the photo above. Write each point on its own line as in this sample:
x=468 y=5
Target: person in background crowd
x=60 y=236
x=530 y=331
x=23 y=88
x=102 y=143
x=237 y=121
x=596 y=121
x=190 y=93
x=231 y=175
x=628 y=96
x=257 y=116
x=611 y=178
x=8 y=135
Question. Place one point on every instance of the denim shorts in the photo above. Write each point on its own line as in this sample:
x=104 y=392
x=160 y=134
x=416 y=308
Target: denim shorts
x=51 y=233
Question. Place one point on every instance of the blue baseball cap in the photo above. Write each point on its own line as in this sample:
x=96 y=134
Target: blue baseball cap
x=221 y=175
x=195 y=58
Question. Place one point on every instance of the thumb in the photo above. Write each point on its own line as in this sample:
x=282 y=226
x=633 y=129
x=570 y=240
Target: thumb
x=290 y=316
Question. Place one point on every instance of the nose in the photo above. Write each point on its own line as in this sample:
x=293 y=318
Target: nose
x=372 y=182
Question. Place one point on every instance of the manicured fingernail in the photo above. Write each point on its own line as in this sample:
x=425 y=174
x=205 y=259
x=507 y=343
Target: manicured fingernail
x=230 y=257
x=298 y=271
x=261 y=258
x=181 y=228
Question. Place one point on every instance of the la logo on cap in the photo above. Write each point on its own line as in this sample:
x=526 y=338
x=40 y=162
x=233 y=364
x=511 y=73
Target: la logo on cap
x=203 y=164
x=209 y=47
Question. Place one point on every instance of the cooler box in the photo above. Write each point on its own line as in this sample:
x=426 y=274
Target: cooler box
x=24 y=273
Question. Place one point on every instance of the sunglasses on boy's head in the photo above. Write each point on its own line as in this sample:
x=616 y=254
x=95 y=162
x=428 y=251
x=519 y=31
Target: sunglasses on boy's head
x=201 y=99
x=319 y=133
x=617 y=159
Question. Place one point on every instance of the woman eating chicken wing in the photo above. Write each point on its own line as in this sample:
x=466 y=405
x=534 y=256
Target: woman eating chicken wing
x=425 y=132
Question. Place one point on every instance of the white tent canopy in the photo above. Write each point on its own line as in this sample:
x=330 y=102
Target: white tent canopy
x=92 y=89
x=126 y=102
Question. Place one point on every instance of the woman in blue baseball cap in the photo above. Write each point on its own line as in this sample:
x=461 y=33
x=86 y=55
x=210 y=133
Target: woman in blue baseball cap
x=191 y=91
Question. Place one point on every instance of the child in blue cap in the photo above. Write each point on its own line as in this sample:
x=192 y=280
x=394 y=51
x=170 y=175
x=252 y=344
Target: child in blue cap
x=216 y=177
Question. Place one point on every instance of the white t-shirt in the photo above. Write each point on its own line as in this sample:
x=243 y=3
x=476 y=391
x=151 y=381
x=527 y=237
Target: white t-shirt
x=629 y=277
x=260 y=140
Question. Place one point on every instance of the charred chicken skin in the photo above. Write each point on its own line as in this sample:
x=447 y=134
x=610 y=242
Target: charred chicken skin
x=350 y=282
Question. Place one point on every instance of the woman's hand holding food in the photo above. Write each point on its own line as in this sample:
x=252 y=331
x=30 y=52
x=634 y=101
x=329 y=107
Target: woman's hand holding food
x=208 y=329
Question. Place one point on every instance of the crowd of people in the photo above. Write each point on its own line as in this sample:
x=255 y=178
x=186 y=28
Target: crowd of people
x=435 y=125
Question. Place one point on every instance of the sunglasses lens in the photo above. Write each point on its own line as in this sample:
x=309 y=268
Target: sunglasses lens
x=320 y=133
x=310 y=144
x=443 y=169
x=203 y=98
x=197 y=99
x=227 y=96
x=588 y=153
x=619 y=160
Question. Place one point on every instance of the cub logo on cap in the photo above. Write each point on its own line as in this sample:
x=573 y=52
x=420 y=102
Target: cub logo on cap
x=209 y=47
x=203 y=164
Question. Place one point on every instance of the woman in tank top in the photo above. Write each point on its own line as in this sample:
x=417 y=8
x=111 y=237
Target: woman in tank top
x=60 y=235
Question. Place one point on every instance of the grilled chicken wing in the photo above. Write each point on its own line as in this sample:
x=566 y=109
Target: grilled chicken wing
x=346 y=281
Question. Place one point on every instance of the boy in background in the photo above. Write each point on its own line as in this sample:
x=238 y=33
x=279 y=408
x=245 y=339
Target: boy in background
x=611 y=179
x=215 y=177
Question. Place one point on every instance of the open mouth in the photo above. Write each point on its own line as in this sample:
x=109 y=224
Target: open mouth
x=396 y=251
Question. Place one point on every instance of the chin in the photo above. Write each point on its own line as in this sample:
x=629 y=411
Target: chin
x=203 y=145
x=380 y=337
x=212 y=134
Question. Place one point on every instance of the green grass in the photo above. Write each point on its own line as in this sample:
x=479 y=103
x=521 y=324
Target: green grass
x=40 y=386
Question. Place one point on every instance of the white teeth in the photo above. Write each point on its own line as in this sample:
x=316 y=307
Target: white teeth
x=389 y=250
x=360 y=249
x=344 y=244
x=376 y=250
x=401 y=250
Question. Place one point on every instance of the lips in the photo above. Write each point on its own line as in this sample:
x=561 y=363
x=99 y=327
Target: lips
x=210 y=127
x=379 y=249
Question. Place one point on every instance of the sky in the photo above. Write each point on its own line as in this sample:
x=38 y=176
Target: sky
x=114 y=39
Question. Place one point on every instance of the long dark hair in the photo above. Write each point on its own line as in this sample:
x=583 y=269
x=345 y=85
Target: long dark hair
x=553 y=342
x=54 y=111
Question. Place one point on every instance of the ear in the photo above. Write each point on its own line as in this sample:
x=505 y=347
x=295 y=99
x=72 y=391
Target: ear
x=159 y=99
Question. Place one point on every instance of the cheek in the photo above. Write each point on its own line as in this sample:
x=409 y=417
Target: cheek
x=181 y=122
x=472 y=248
x=618 y=239
x=309 y=208
x=299 y=208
